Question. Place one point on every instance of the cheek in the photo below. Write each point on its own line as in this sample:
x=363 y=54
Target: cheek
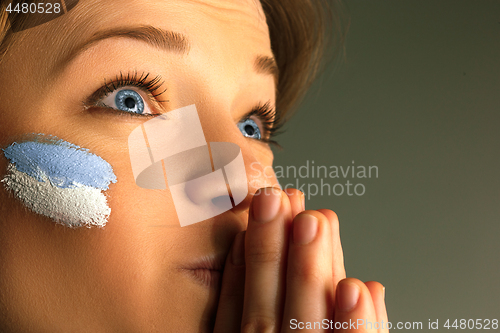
x=59 y=180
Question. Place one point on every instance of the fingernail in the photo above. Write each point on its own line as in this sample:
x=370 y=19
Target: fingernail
x=266 y=204
x=383 y=289
x=238 y=251
x=305 y=228
x=347 y=296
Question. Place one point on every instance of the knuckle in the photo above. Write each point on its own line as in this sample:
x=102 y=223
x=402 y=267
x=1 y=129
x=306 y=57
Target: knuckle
x=259 y=324
x=309 y=275
x=263 y=257
x=263 y=253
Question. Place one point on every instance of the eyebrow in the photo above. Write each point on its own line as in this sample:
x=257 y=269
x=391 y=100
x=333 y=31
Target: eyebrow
x=267 y=66
x=163 y=39
x=167 y=40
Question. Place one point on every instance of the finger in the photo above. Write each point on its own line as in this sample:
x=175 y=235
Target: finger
x=309 y=288
x=265 y=260
x=338 y=255
x=338 y=269
x=377 y=292
x=354 y=309
x=230 y=307
x=297 y=200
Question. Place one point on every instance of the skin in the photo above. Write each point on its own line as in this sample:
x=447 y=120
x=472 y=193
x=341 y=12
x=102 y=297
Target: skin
x=126 y=277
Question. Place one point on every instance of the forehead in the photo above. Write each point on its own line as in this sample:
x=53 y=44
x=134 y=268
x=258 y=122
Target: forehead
x=236 y=19
x=227 y=30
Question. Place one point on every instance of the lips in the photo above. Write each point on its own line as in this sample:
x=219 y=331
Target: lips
x=207 y=271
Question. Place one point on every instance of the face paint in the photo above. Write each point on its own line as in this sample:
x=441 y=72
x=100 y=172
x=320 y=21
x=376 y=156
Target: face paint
x=59 y=180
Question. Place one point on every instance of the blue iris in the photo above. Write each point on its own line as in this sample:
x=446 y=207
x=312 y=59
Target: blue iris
x=250 y=129
x=129 y=101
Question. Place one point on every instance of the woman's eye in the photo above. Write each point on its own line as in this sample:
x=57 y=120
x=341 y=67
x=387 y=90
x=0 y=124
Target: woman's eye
x=250 y=129
x=126 y=100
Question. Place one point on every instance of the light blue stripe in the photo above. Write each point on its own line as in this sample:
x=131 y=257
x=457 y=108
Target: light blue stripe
x=64 y=164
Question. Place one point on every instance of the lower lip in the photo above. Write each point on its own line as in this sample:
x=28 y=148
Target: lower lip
x=206 y=277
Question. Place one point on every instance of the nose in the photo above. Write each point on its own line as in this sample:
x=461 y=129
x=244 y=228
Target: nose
x=206 y=181
x=227 y=182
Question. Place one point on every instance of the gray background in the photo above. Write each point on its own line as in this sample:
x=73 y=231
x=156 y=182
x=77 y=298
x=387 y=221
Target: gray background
x=418 y=95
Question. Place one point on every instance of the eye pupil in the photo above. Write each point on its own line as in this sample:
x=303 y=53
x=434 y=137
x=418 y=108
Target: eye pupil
x=249 y=130
x=130 y=102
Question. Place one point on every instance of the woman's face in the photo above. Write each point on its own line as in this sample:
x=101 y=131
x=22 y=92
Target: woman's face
x=128 y=275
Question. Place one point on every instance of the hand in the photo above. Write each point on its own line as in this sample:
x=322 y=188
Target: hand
x=281 y=273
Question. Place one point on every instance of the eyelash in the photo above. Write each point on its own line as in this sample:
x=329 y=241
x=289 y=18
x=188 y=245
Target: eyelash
x=271 y=120
x=149 y=86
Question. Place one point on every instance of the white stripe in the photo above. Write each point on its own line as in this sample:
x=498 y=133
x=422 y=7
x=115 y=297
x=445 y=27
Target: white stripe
x=71 y=207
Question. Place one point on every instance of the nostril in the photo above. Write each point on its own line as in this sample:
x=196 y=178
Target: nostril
x=222 y=201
